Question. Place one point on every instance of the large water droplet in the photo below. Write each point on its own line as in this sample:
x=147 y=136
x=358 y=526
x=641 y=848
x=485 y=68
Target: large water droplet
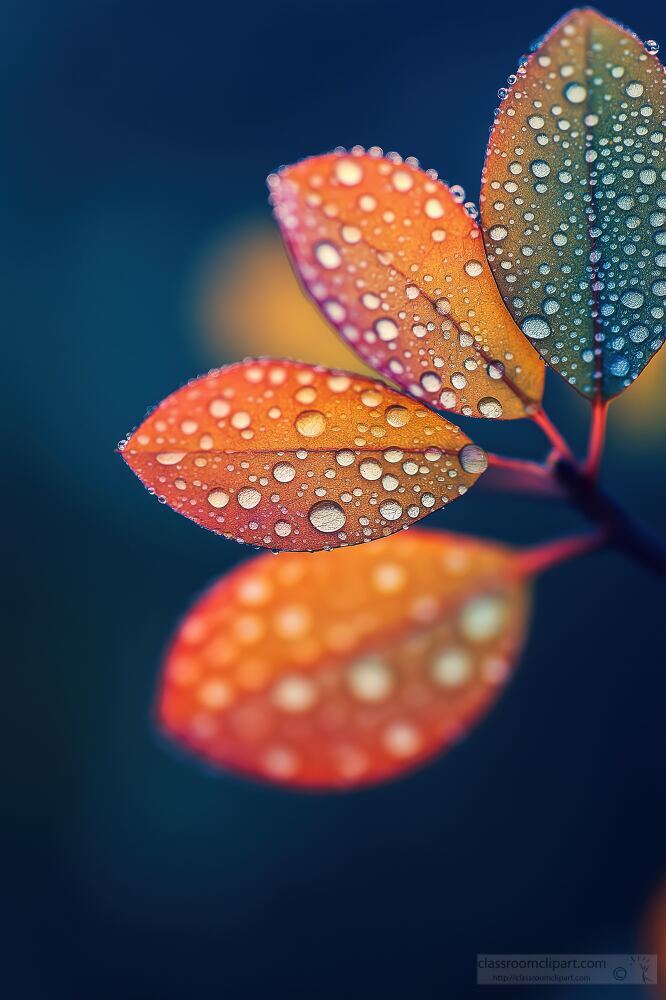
x=535 y=327
x=473 y=459
x=490 y=407
x=327 y=516
x=311 y=423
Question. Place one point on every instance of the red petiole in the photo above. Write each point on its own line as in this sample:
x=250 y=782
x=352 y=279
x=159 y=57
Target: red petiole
x=565 y=478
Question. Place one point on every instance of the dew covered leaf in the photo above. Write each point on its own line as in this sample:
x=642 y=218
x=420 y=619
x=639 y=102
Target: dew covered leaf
x=574 y=203
x=344 y=668
x=285 y=455
x=398 y=266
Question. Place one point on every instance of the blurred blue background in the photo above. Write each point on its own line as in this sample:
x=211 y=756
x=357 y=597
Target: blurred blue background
x=137 y=138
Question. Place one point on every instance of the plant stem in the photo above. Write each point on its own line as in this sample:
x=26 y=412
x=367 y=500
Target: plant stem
x=542 y=557
x=542 y=420
x=520 y=476
x=622 y=530
x=597 y=437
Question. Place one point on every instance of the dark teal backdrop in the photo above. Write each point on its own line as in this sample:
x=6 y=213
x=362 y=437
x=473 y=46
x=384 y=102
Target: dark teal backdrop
x=134 y=134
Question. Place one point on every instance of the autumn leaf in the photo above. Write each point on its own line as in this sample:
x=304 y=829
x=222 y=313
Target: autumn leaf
x=285 y=455
x=397 y=265
x=346 y=668
x=573 y=202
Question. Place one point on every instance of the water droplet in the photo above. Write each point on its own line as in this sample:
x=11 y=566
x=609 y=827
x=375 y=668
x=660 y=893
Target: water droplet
x=218 y=498
x=535 y=327
x=391 y=510
x=348 y=172
x=370 y=469
x=490 y=407
x=433 y=208
x=249 y=498
x=639 y=333
x=619 y=366
x=397 y=416
x=473 y=459
x=632 y=299
x=473 y=268
x=540 y=168
x=328 y=255
x=327 y=516
x=311 y=423
x=575 y=93
x=430 y=381
x=402 y=180
x=482 y=618
x=386 y=329
x=370 y=680
x=284 y=472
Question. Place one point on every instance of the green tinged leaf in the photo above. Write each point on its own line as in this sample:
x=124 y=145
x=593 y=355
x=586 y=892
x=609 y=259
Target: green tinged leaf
x=574 y=202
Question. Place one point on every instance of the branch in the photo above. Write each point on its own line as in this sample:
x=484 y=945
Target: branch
x=623 y=531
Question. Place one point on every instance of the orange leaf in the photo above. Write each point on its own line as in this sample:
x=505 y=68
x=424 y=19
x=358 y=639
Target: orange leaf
x=284 y=455
x=397 y=265
x=345 y=668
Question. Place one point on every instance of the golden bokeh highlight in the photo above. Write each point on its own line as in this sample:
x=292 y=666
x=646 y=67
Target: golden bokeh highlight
x=248 y=302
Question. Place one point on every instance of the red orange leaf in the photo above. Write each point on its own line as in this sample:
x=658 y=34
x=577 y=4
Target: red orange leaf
x=284 y=455
x=398 y=266
x=344 y=668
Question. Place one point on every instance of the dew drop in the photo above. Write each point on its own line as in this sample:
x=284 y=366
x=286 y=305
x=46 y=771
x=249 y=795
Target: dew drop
x=540 y=168
x=402 y=180
x=327 y=516
x=387 y=329
x=284 y=472
x=218 y=498
x=391 y=510
x=328 y=255
x=575 y=93
x=249 y=498
x=632 y=299
x=430 y=381
x=370 y=469
x=433 y=208
x=535 y=327
x=397 y=416
x=473 y=459
x=348 y=172
x=490 y=407
x=634 y=89
x=311 y=423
